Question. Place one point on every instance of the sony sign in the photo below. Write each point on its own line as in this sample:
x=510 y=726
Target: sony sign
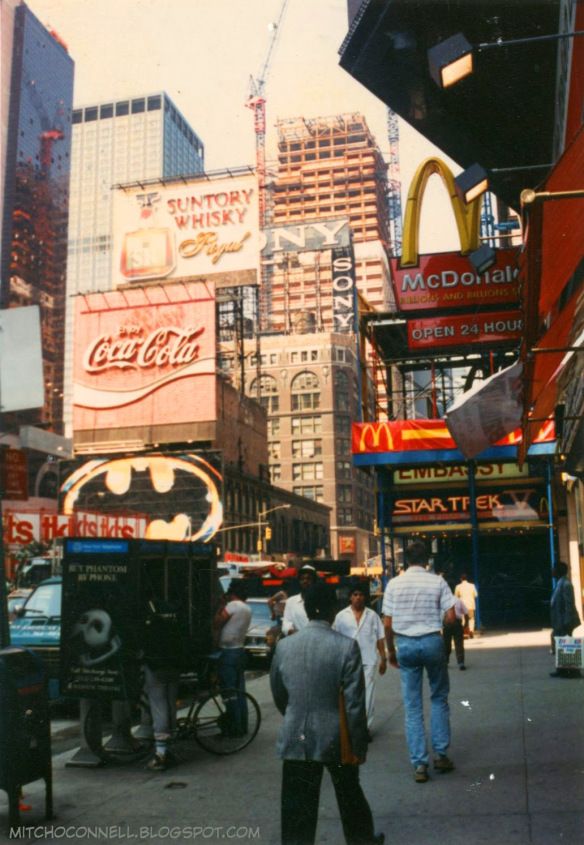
x=302 y=237
x=344 y=290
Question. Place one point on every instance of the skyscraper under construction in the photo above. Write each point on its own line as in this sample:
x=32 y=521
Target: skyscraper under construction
x=329 y=168
x=326 y=251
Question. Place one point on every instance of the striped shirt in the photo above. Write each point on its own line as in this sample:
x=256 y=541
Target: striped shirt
x=417 y=602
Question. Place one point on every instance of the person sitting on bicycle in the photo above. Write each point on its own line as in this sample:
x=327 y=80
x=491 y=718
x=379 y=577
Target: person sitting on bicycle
x=232 y=622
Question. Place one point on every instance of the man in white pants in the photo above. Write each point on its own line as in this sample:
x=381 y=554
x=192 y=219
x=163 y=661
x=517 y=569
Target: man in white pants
x=364 y=625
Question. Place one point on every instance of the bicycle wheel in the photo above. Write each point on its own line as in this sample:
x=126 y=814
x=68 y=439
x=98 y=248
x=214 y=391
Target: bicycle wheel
x=111 y=739
x=212 y=722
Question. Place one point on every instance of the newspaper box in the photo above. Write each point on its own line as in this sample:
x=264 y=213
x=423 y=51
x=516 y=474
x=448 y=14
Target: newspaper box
x=25 y=739
x=569 y=652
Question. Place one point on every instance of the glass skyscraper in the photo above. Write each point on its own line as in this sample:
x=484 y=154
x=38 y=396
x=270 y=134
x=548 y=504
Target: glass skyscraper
x=116 y=143
x=36 y=194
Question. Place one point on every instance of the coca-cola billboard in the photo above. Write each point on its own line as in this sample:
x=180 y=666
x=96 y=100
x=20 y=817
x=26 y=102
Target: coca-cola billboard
x=144 y=356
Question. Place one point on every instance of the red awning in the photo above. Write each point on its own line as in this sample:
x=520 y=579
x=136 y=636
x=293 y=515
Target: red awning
x=551 y=280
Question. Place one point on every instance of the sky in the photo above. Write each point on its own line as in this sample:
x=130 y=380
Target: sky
x=203 y=53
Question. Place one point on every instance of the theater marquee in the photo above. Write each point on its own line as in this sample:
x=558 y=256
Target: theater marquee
x=526 y=504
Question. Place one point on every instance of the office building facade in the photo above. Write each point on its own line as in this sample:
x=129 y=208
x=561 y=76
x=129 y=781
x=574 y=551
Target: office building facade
x=119 y=142
x=36 y=158
x=330 y=178
x=309 y=390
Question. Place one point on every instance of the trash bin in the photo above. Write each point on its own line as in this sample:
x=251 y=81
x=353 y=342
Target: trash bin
x=25 y=733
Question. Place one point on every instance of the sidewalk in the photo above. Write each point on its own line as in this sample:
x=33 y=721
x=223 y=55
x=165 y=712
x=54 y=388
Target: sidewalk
x=518 y=745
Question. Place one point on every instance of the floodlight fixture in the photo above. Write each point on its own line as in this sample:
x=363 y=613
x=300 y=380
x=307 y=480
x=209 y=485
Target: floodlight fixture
x=483 y=258
x=471 y=183
x=452 y=60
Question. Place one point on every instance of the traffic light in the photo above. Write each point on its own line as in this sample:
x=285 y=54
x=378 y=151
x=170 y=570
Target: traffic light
x=268 y=534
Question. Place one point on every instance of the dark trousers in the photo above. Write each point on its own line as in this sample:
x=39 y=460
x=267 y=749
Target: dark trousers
x=231 y=672
x=454 y=632
x=301 y=782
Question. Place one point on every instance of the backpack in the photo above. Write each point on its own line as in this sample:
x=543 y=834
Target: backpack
x=165 y=638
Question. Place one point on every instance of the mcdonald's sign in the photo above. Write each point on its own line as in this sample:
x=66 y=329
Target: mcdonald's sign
x=401 y=436
x=448 y=280
x=418 y=435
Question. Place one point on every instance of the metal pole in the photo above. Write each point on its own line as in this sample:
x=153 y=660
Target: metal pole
x=550 y=504
x=381 y=528
x=474 y=535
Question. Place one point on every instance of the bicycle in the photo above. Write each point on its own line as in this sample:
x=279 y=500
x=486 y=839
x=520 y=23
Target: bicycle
x=207 y=723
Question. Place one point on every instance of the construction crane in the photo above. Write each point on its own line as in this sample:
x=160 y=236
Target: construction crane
x=394 y=195
x=257 y=103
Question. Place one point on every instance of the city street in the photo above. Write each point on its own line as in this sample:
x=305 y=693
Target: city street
x=518 y=745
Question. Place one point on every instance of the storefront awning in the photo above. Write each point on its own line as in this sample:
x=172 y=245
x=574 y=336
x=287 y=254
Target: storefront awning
x=552 y=277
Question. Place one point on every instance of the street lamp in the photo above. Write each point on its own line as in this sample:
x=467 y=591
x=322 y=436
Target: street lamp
x=261 y=514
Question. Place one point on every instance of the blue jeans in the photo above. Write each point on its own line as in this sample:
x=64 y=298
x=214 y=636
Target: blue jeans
x=414 y=655
x=231 y=676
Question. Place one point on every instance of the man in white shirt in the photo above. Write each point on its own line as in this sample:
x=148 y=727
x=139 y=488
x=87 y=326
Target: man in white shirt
x=415 y=607
x=467 y=591
x=295 y=616
x=232 y=621
x=364 y=625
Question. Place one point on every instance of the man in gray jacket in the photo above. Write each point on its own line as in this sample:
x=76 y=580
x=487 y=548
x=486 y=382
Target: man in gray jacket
x=308 y=672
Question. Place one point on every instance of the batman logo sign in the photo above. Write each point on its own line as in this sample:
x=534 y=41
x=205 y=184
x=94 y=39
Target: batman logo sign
x=178 y=496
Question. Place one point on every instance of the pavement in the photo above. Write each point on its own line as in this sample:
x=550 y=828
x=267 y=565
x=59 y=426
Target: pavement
x=517 y=742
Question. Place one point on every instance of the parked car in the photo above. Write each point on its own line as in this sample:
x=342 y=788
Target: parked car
x=37 y=625
x=34 y=571
x=16 y=600
x=262 y=634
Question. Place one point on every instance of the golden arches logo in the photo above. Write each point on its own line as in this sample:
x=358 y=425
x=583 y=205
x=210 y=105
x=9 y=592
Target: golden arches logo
x=467 y=217
x=375 y=430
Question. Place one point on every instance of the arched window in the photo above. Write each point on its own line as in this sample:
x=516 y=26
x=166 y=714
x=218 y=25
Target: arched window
x=305 y=390
x=269 y=398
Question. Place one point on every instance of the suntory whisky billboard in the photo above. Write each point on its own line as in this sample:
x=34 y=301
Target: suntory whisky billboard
x=144 y=357
x=204 y=227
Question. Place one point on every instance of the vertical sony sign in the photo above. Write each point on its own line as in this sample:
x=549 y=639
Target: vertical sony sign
x=344 y=290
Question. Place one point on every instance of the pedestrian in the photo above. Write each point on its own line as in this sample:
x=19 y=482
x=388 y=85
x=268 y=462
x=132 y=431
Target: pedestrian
x=164 y=655
x=317 y=683
x=232 y=622
x=564 y=615
x=455 y=632
x=415 y=607
x=277 y=605
x=295 y=616
x=467 y=591
x=364 y=625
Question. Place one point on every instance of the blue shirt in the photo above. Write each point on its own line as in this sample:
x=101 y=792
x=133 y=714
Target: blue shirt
x=417 y=602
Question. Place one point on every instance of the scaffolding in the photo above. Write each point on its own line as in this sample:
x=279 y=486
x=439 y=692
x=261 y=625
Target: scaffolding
x=237 y=319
